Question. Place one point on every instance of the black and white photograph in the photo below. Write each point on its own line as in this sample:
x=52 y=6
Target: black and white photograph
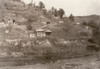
x=49 y=34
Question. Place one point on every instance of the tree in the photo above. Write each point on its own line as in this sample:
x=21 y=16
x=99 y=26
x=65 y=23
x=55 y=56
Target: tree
x=61 y=12
x=28 y=24
x=84 y=23
x=92 y=48
x=71 y=17
x=41 y=5
x=54 y=11
x=30 y=4
x=95 y=40
x=96 y=31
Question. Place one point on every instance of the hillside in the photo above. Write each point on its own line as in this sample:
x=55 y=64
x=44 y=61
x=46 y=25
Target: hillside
x=36 y=15
x=66 y=37
x=81 y=19
x=31 y=37
x=21 y=13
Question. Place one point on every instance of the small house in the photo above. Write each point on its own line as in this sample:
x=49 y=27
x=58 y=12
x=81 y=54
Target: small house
x=40 y=32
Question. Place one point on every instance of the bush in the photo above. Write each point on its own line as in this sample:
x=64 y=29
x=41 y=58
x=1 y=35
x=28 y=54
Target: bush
x=91 y=41
x=92 y=48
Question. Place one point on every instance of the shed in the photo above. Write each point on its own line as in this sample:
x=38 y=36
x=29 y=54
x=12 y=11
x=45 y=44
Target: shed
x=48 y=33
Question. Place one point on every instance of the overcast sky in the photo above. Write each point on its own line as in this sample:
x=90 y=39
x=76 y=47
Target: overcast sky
x=76 y=7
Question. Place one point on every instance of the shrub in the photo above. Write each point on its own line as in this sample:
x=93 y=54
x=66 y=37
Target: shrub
x=92 y=48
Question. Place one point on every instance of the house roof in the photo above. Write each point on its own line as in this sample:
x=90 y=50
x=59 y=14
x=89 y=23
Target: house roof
x=48 y=31
x=39 y=30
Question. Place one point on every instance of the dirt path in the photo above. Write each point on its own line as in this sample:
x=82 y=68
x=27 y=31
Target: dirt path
x=81 y=63
x=37 y=66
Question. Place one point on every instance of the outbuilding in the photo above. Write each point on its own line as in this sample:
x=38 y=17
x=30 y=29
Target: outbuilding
x=48 y=33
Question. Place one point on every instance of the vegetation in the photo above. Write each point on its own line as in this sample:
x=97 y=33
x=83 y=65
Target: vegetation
x=96 y=32
x=36 y=15
x=41 y=5
x=29 y=25
x=71 y=17
x=61 y=12
x=54 y=11
x=92 y=48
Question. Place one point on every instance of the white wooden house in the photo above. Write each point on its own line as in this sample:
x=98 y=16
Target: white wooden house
x=40 y=32
x=43 y=32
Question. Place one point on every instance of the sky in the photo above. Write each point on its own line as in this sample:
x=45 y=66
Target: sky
x=76 y=7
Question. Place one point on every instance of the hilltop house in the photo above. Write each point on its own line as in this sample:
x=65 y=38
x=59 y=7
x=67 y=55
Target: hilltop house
x=43 y=32
x=40 y=32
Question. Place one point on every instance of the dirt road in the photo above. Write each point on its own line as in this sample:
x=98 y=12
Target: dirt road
x=76 y=63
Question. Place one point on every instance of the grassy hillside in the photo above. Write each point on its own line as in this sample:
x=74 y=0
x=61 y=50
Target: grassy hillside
x=65 y=38
x=81 y=19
